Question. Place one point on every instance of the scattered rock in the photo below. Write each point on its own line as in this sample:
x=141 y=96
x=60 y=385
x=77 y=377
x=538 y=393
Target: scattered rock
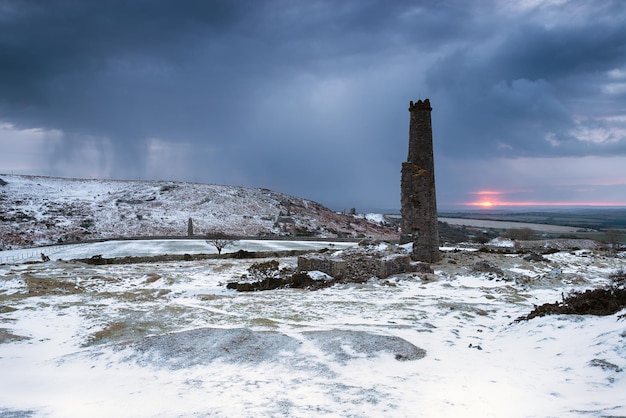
x=428 y=277
x=533 y=256
x=605 y=365
x=420 y=267
x=354 y=265
x=486 y=267
x=298 y=280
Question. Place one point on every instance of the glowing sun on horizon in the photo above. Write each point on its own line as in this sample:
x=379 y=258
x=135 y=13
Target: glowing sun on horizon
x=488 y=199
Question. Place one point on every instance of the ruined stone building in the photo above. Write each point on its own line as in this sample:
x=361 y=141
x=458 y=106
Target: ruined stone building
x=418 y=199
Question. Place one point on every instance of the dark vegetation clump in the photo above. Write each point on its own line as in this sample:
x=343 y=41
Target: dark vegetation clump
x=602 y=301
x=241 y=254
x=3 y=183
x=268 y=276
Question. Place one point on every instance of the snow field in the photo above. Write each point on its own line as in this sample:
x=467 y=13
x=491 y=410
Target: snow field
x=77 y=360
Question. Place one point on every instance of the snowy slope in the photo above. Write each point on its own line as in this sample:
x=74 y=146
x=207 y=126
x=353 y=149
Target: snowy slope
x=45 y=210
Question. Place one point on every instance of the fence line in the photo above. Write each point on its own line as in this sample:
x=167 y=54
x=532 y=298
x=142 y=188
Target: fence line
x=33 y=253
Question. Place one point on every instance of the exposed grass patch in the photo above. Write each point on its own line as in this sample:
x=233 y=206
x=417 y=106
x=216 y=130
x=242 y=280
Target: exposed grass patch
x=6 y=309
x=136 y=295
x=122 y=331
x=222 y=267
x=7 y=337
x=104 y=279
x=152 y=277
x=109 y=333
x=39 y=286
x=209 y=297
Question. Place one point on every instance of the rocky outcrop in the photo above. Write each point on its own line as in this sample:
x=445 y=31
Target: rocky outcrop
x=241 y=345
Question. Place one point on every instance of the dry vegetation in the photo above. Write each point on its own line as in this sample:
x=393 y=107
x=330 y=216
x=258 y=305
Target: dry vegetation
x=602 y=301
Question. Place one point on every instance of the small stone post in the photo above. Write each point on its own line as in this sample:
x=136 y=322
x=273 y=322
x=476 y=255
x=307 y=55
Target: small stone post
x=190 y=228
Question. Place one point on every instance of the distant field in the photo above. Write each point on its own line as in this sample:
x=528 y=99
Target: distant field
x=597 y=219
x=483 y=223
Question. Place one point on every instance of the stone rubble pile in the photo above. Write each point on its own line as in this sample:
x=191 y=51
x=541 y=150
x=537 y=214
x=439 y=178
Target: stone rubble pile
x=359 y=264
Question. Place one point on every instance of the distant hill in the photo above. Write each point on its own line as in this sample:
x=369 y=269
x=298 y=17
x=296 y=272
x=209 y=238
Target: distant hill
x=38 y=210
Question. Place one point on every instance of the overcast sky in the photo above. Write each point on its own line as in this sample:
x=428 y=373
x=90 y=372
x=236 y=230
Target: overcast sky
x=310 y=97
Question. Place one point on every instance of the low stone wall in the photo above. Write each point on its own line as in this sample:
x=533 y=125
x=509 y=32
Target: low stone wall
x=356 y=267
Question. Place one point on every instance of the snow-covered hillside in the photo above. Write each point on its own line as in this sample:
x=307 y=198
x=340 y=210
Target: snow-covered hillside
x=45 y=210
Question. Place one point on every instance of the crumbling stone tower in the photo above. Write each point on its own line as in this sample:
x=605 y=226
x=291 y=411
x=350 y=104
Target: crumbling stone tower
x=418 y=199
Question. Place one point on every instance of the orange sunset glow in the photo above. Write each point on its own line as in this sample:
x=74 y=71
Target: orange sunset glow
x=488 y=199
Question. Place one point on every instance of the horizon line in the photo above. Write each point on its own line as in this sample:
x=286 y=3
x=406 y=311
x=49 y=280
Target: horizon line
x=496 y=204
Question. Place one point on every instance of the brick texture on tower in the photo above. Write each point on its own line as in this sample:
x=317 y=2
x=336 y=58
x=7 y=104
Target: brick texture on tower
x=418 y=197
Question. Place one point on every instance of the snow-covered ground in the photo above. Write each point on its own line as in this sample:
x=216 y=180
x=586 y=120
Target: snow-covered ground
x=168 y=339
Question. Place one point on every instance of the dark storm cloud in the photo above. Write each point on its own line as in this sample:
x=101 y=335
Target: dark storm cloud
x=310 y=97
x=201 y=72
x=519 y=97
x=101 y=69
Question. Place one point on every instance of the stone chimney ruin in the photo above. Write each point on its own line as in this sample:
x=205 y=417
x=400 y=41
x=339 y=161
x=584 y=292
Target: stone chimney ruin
x=418 y=198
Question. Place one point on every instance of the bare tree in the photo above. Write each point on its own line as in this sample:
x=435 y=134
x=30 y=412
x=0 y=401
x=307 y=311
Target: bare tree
x=219 y=240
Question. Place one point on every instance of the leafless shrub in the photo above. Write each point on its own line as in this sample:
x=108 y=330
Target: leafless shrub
x=220 y=241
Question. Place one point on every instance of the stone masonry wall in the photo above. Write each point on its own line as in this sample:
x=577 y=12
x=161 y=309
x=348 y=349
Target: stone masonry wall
x=356 y=268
